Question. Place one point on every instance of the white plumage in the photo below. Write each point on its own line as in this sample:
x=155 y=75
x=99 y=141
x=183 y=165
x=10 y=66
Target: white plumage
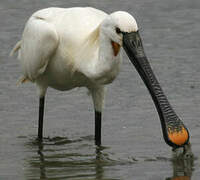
x=68 y=48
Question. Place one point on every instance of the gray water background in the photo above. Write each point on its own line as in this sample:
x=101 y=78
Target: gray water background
x=133 y=147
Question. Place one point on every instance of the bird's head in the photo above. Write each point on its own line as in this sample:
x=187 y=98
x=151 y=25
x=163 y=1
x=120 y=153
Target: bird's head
x=118 y=23
x=122 y=30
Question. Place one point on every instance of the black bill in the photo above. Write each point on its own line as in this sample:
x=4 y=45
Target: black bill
x=174 y=131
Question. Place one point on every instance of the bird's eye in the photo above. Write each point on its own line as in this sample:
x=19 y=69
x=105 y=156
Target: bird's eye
x=117 y=30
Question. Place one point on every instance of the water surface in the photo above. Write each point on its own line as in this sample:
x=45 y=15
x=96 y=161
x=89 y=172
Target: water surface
x=133 y=147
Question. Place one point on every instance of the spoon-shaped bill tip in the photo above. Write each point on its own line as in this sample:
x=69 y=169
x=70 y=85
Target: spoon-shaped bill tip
x=178 y=137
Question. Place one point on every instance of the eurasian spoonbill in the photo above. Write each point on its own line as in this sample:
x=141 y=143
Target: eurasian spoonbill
x=82 y=47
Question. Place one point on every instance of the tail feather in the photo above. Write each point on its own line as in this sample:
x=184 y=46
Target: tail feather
x=16 y=48
x=22 y=80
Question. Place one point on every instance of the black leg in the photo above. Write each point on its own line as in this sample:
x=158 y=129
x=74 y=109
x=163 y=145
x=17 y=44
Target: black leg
x=97 y=128
x=41 y=115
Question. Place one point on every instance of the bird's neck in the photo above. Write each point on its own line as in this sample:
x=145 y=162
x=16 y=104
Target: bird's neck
x=106 y=66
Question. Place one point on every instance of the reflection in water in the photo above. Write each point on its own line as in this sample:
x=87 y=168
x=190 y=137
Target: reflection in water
x=182 y=168
x=59 y=158
x=42 y=161
x=99 y=168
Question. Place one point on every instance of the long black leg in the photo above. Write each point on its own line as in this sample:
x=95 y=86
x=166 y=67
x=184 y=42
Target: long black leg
x=41 y=115
x=97 y=128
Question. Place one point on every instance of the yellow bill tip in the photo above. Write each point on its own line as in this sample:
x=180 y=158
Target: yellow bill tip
x=179 y=137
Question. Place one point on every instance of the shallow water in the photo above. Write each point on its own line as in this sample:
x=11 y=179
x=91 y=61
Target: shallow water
x=133 y=147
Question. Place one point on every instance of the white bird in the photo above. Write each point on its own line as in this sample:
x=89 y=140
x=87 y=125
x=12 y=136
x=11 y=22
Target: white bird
x=81 y=47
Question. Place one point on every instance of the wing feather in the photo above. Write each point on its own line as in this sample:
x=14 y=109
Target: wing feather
x=38 y=45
